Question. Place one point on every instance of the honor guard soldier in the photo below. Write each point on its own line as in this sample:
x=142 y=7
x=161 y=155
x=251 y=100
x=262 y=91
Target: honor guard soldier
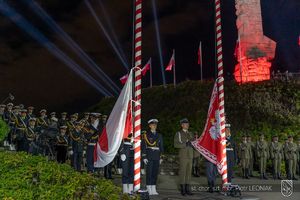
x=62 y=143
x=252 y=154
x=152 y=148
x=286 y=162
x=43 y=121
x=127 y=158
x=276 y=154
x=91 y=136
x=291 y=155
x=262 y=150
x=77 y=141
x=182 y=141
x=21 y=129
x=244 y=156
x=63 y=119
x=230 y=152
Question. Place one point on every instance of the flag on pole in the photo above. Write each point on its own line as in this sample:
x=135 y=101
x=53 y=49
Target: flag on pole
x=210 y=142
x=147 y=67
x=171 y=63
x=118 y=126
x=200 y=54
x=124 y=78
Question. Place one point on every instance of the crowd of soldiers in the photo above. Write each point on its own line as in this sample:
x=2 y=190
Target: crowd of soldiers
x=73 y=138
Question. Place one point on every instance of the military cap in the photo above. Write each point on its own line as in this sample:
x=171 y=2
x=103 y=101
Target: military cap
x=32 y=119
x=86 y=113
x=64 y=113
x=72 y=116
x=75 y=114
x=43 y=111
x=23 y=110
x=95 y=114
x=2 y=106
x=63 y=127
x=104 y=116
x=53 y=113
x=17 y=107
x=10 y=104
x=153 y=121
x=30 y=108
x=184 y=121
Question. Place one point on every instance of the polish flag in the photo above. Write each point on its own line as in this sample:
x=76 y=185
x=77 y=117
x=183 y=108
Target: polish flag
x=147 y=67
x=123 y=79
x=210 y=142
x=171 y=63
x=118 y=126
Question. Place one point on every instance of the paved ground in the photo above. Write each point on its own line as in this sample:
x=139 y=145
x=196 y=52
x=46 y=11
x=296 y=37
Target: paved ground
x=254 y=189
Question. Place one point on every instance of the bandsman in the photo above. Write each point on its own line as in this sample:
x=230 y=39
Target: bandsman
x=33 y=137
x=262 y=149
x=43 y=121
x=77 y=142
x=152 y=149
x=21 y=129
x=63 y=119
x=62 y=142
x=182 y=141
x=30 y=110
x=291 y=155
x=276 y=154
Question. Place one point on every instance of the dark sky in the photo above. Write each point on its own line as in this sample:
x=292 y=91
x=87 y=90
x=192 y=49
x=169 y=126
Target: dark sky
x=36 y=77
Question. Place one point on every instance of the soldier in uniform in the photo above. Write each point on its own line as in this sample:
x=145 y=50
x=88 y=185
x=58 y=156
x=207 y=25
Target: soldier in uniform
x=127 y=158
x=77 y=141
x=63 y=119
x=244 y=156
x=91 y=136
x=230 y=152
x=251 y=159
x=152 y=148
x=291 y=155
x=30 y=110
x=286 y=162
x=43 y=121
x=262 y=149
x=276 y=154
x=21 y=129
x=62 y=143
x=182 y=141
x=33 y=136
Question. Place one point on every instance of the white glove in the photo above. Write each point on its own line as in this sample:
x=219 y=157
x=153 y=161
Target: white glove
x=145 y=161
x=160 y=161
x=70 y=152
x=123 y=157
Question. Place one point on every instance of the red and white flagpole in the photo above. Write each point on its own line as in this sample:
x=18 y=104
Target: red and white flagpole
x=137 y=94
x=221 y=85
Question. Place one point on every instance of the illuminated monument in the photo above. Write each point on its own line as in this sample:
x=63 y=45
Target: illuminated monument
x=255 y=51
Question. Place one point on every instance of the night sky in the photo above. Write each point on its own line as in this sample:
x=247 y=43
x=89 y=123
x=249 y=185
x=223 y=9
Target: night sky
x=36 y=77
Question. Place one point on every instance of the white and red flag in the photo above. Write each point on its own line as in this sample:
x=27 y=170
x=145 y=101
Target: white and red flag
x=211 y=142
x=171 y=63
x=124 y=78
x=118 y=126
x=147 y=67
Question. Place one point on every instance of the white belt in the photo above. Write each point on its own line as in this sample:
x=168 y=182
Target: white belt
x=153 y=148
x=229 y=149
x=128 y=143
x=92 y=144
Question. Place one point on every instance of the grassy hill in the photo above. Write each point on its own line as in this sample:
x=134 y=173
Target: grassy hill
x=266 y=107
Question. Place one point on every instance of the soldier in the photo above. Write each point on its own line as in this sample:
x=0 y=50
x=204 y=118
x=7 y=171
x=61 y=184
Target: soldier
x=71 y=123
x=33 y=134
x=182 y=141
x=152 y=148
x=91 y=136
x=10 y=118
x=230 y=152
x=21 y=129
x=262 y=155
x=244 y=156
x=77 y=141
x=30 y=112
x=276 y=154
x=62 y=143
x=63 y=120
x=43 y=121
x=286 y=162
x=251 y=159
x=290 y=152
x=127 y=158
x=196 y=160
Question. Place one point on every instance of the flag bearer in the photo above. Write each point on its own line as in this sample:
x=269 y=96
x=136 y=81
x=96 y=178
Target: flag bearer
x=276 y=154
x=152 y=147
x=127 y=158
x=182 y=141
x=262 y=149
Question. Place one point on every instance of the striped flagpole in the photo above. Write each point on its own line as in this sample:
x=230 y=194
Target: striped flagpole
x=221 y=86
x=137 y=94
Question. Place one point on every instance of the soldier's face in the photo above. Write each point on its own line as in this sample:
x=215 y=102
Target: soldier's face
x=31 y=123
x=275 y=139
x=290 y=139
x=153 y=126
x=185 y=126
x=262 y=138
x=63 y=131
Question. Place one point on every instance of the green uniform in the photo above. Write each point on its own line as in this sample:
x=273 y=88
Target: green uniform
x=244 y=156
x=262 y=151
x=251 y=159
x=276 y=155
x=290 y=153
x=186 y=154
